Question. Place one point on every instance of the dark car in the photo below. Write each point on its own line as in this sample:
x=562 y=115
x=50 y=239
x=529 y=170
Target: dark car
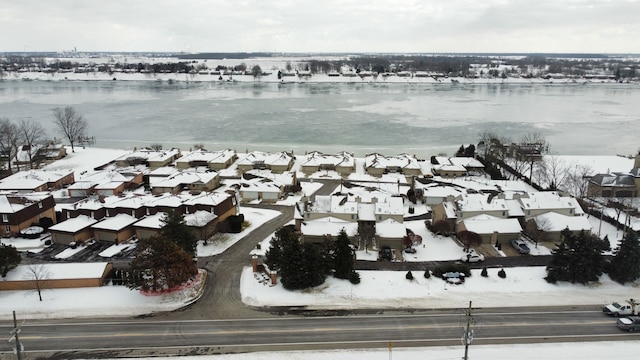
x=520 y=246
x=631 y=323
x=386 y=253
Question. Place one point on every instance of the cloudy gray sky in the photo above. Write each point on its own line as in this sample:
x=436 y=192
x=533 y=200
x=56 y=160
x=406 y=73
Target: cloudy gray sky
x=557 y=26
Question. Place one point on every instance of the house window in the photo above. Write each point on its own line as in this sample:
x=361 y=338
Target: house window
x=379 y=217
x=5 y=218
x=7 y=229
x=107 y=212
x=353 y=216
x=93 y=214
x=39 y=205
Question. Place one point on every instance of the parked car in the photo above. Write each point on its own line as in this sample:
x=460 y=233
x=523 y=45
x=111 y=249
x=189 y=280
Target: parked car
x=386 y=253
x=472 y=256
x=631 y=323
x=520 y=246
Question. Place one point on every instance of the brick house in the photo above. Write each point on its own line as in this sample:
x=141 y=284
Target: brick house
x=19 y=211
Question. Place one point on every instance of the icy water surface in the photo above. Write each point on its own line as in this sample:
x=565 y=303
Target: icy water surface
x=421 y=119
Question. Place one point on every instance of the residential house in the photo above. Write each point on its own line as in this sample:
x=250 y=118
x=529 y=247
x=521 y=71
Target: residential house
x=276 y=162
x=149 y=225
x=187 y=180
x=492 y=230
x=318 y=231
x=217 y=160
x=37 y=180
x=366 y=212
x=106 y=182
x=222 y=204
x=344 y=163
x=150 y=158
x=445 y=168
x=93 y=207
x=472 y=165
x=615 y=184
x=260 y=189
x=58 y=276
x=116 y=229
x=376 y=165
x=19 y=211
x=548 y=226
x=203 y=223
x=77 y=229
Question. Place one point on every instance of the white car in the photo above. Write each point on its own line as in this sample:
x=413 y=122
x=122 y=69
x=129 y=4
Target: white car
x=472 y=256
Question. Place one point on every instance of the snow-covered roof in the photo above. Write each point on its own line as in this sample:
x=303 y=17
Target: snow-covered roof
x=487 y=224
x=150 y=155
x=260 y=185
x=550 y=200
x=480 y=202
x=73 y=225
x=614 y=179
x=552 y=221
x=53 y=271
x=12 y=203
x=340 y=159
x=115 y=223
x=207 y=198
x=402 y=161
x=199 y=218
x=154 y=221
x=254 y=157
x=31 y=179
x=439 y=190
x=390 y=228
x=349 y=204
x=186 y=177
x=207 y=156
x=467 y=162
x=328 y=226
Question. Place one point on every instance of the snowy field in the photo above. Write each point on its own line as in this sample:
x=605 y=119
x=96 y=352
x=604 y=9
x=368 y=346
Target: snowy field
x=619 y=350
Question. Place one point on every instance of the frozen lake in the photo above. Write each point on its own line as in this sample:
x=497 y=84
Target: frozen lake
x=421 y=119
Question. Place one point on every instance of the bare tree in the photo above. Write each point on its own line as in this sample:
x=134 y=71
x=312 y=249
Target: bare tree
x=38 y=273
x=8 y=140
x=492 y=145
x=156 y=147
x=553 y=172
x=578 y=180
x=31 y=134
x=530 y=150
x=71 y=124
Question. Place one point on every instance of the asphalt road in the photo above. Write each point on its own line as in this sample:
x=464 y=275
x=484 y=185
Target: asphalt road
x=76 y=339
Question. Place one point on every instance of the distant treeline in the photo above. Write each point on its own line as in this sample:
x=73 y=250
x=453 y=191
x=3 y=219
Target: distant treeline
x=223 y=55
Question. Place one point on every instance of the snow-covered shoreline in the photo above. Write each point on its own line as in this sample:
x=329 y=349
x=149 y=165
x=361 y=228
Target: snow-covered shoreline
x=272 y=78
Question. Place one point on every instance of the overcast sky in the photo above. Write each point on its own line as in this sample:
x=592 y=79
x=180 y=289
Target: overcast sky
x=555 y=26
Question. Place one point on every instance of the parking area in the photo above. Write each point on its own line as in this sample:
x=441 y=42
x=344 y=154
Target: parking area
x=91 y=251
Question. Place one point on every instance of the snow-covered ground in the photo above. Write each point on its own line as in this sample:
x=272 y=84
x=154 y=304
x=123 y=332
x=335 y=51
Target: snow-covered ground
x=417 y=78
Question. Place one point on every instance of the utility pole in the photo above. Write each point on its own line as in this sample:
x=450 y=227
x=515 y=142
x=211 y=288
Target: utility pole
x=467 y=335
x=15 y=332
